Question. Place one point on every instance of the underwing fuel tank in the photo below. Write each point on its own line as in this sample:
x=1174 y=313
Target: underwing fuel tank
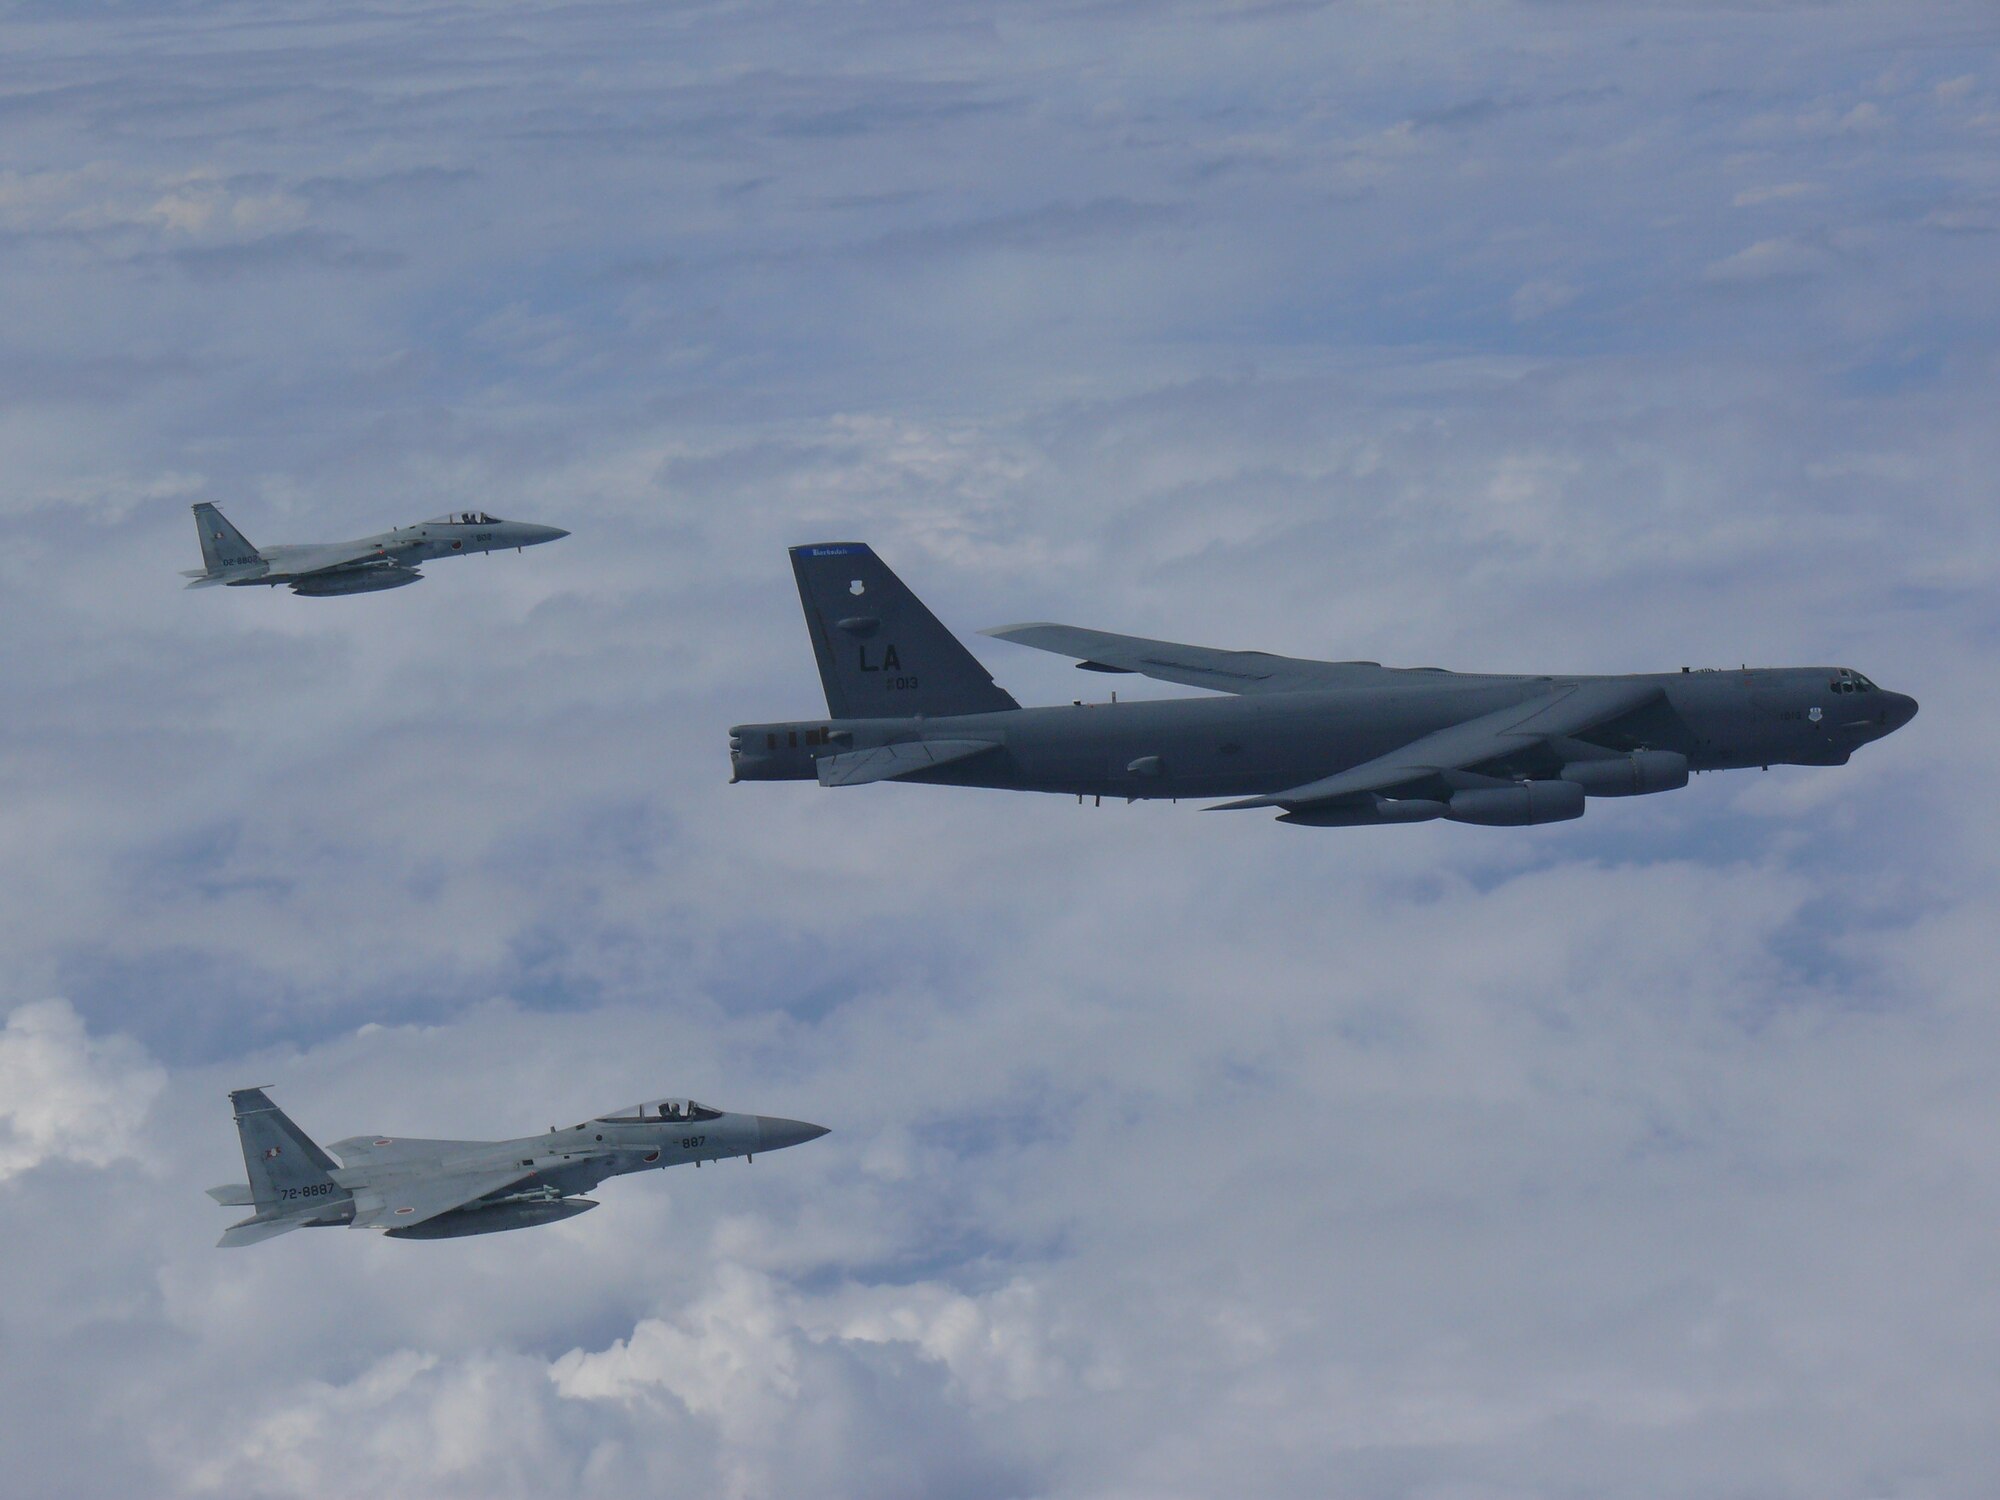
x=493 y=1218
x=1631 y=775
x=361 y=581
x=1365 y=815
x=1517 y=806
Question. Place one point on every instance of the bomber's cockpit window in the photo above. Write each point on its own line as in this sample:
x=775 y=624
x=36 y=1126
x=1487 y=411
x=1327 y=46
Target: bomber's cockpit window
x=1850 y=681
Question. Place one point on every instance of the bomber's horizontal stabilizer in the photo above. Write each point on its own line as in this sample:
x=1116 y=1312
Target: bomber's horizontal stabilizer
x=886 y=762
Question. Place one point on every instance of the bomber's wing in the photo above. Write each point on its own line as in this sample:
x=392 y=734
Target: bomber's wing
x=1197 y=666
x=1568 y=709
x=886 y=762
x=402 y=1199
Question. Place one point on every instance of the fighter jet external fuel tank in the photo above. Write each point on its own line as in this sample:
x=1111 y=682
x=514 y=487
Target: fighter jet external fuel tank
x=1325 y=744
x=436 y=1190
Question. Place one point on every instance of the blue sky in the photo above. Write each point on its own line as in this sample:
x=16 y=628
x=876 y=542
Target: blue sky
x=1171 y=1153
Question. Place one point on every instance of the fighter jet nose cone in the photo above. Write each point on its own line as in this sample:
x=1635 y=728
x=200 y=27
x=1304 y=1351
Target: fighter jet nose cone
x=775 y=1133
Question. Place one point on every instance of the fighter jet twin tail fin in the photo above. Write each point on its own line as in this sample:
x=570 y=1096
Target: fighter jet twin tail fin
x=291 y=1179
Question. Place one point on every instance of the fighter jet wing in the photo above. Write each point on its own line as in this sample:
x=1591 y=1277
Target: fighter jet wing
x=253 y=1230
x=375 y=1150
x=411 y=1198
x=1567 y=709
x=207 y=580
x=1197 y=666
x=329 y=557
x=885 y=762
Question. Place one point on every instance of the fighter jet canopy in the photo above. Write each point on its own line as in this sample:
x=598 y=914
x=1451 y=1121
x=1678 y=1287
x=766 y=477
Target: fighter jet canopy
x=464 y=518
x=661 y=1109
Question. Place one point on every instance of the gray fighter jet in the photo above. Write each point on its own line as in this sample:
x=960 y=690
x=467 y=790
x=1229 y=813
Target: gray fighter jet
x=439 y=1190
x=387 y=561
x=1327 y=744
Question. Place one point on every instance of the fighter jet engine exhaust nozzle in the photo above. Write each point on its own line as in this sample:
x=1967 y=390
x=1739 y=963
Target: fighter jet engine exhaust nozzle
x=1632 y=775
x=1517 y=806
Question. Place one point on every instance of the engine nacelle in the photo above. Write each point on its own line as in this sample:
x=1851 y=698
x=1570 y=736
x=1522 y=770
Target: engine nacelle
x=1630 y=775
x=1379 y=810
x=491 y=1218
x=1517 y=806
x=358 y=581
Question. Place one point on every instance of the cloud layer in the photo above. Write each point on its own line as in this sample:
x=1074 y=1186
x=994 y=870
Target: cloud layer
x=1172 y=1154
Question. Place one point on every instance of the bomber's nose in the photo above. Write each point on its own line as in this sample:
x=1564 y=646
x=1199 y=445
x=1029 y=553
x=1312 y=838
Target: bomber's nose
x=1900 y=707
x=774 y=1133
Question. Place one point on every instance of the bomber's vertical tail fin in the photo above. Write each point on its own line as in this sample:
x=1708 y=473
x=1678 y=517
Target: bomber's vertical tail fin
x=881 y=653
x=223 y=547
x=285 y=1166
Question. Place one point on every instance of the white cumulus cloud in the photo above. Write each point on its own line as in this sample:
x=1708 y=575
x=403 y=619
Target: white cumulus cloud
x=66 y=1095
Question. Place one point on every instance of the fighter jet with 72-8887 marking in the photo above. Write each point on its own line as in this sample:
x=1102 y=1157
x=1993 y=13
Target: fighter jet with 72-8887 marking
x=438 y=1190
x=387 y=560
x=1324 y=743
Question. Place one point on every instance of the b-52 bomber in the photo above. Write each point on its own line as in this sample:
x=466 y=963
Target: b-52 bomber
x=385 y=561
x=1326 y=744
x=440 y=1190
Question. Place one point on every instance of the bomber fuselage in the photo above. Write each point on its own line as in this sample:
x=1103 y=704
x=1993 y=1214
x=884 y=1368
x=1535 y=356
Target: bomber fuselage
x=1262 y=743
